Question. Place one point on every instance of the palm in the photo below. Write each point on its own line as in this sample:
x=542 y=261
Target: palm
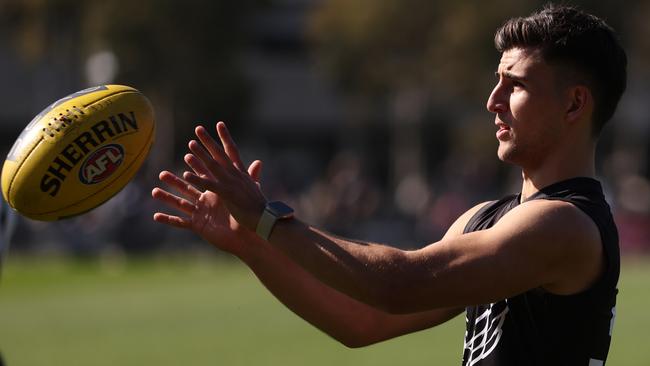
x=202 y=210
x=212 y=221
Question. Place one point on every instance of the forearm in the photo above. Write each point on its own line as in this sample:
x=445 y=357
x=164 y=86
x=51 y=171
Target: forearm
x=371 y=273
x=227 y=197
x=349 y=321
x=330 y=282
x=321 y=306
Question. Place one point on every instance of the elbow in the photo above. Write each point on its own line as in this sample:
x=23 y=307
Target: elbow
x=361 y=339
x=354 y=343
x=367 y=329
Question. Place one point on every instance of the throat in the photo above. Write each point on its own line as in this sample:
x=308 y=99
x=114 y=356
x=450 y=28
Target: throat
x=565 y=162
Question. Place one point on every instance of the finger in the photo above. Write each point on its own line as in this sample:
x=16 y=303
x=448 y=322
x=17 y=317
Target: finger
x=203 y=183
x=200 y=166
x=175 y=221
x=255 y=170
x=216 y=151
x=229 y=145
x=213 y=167
x=172 y=200
x=180 y=185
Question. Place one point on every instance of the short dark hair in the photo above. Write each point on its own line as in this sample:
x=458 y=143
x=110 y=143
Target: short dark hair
x=582 y=42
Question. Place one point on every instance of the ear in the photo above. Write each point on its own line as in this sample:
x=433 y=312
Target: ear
x=579 y=104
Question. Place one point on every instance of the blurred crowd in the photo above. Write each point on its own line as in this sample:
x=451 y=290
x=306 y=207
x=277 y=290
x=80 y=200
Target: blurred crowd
x=342 y=196
x=369 y=116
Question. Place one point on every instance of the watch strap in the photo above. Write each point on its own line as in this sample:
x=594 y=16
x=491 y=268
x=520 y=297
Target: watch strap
x=266 y=224
x=273 y=211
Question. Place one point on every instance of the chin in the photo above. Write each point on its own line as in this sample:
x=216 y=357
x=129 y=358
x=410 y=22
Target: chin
x=502 y=153
x=507 y=154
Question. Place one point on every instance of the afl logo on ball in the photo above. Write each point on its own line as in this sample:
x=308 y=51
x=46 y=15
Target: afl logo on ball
x=100 y=164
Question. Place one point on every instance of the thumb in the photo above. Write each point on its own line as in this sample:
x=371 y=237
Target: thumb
x=255 y=170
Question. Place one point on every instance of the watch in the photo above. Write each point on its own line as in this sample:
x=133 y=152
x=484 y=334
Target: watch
x=273 y=212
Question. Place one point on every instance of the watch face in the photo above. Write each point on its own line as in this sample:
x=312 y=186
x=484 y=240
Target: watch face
x=279 y=209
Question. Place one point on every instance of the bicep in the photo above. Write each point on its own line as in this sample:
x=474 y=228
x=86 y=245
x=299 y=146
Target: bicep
x=532 y=246
x=398 y=324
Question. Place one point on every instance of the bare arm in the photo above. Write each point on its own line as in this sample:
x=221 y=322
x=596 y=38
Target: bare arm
x=539 y=243
x=350 y=321
x=347 y=320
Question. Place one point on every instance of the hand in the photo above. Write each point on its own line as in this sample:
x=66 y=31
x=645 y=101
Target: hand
x=221 y=199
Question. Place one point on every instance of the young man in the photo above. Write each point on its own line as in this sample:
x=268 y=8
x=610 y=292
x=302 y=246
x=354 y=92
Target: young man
x=541 y=265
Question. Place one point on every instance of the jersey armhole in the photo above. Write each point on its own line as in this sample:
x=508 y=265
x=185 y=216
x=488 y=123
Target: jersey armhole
x=489 y=205
x=477 y=215
x=604 y=278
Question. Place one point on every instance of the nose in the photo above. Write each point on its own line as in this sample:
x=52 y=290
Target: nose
x=498 y=100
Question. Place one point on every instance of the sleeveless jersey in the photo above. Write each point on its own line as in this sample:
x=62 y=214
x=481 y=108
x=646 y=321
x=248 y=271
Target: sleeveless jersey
x=537 y=327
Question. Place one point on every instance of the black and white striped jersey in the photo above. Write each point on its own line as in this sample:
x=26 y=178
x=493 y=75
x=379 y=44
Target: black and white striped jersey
x=540 y=328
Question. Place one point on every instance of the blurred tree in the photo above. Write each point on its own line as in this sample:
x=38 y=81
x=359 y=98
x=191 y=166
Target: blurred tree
x=430 y=60
x=184 y=55
x=187 y=53
x=414 y=55
x=45 y=35
x=373 y=46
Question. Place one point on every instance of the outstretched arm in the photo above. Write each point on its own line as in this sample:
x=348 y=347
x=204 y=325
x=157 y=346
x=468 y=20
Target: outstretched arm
x=347 y=320
x=350 y=321
x=538 y=244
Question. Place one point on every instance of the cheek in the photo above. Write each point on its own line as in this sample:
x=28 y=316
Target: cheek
x=529 y=127
x=533 y=116
x=520 y=107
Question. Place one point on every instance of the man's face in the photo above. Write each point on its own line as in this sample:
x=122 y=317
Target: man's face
x=529 y=108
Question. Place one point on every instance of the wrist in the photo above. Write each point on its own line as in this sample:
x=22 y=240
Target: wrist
x=245 y=243
x=253 y=250
x=274 y=212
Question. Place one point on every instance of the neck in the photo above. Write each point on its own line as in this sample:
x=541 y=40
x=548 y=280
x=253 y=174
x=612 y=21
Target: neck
x=571 y=163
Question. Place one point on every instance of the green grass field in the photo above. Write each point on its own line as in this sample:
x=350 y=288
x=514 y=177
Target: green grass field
x=211 y=311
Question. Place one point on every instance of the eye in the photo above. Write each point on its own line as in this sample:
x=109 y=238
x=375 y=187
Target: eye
x=517 y=84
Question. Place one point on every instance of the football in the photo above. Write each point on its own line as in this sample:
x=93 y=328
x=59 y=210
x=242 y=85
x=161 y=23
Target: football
x=78 y=152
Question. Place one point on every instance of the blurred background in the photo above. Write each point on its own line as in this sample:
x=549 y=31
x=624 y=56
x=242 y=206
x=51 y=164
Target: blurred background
x=369 y=116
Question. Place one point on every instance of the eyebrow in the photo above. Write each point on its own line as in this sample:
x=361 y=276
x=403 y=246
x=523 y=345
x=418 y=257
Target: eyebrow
x=510 y=75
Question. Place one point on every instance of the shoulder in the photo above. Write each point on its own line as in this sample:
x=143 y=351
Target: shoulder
x=458 y=226
x=552 y=216
x=561 y=235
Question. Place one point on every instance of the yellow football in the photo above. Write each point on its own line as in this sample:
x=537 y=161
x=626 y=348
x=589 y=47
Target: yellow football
x=78 y=152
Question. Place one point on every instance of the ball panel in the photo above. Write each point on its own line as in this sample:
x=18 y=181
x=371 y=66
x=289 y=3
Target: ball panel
x=104 y=132
x=65 y=109
x=98 y=197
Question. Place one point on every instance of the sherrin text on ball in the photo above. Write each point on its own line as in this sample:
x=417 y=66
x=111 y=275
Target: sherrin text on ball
x=78 y=152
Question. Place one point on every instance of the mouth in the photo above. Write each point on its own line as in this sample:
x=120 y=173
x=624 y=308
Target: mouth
x=503 y=133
